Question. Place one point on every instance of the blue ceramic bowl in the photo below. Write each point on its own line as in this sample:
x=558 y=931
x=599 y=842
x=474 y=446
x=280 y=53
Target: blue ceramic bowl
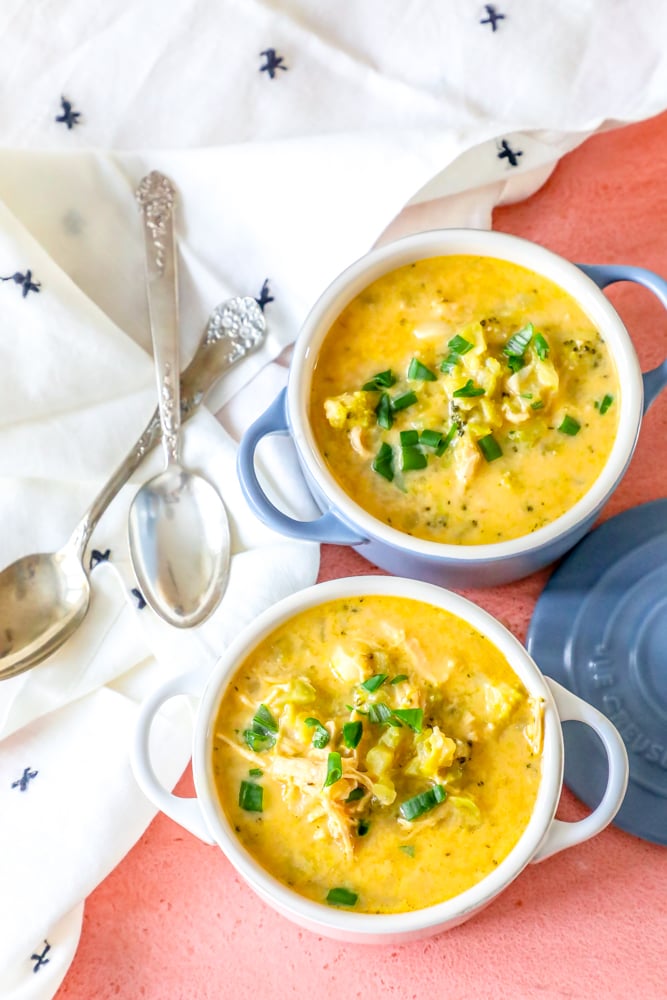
x=345 y=522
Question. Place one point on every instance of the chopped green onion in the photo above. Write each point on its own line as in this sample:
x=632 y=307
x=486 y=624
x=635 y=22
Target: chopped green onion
x=570 y=426
x=398 y=679
x=356 y=794
x=379 y=713
x=255 y=772
x=263 y=721
x=429 y=438
x=251 y=796
x=404 y=400
x=489 y=448
x=459 y=345
x=408 y=849
x=447 y=440
x=383 y=463
x=341 y=897
x=469 y=389
x=537 y=405
x=417 y=370
x=374 y=682
x=419 y=804
x=541 y=346
x=383 y=412
x=409 y=437
x=412 y=717
x=321 y=735
x=517 y=344
x=352 y=734
x=383 y=380
x=363 y=827
x=258 y=742
x=412 y=458
x=605 y=404
x=450 y=362
x=515 y=364
x=334 y=769
x=262 y=733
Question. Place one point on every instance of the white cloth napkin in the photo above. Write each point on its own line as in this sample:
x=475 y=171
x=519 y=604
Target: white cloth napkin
x=295 y=133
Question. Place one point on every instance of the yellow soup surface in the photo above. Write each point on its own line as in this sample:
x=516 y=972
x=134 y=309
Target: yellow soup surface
x=464 y=400
x=377 y=753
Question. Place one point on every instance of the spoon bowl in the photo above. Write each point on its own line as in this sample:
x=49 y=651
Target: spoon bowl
x=42 y=597
x=179 y=539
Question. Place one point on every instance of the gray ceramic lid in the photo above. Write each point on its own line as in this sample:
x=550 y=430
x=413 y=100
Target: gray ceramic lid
x=600 y=629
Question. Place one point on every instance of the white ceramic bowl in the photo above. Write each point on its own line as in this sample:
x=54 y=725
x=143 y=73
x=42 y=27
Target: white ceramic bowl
x=345 y=522
x=543 y=836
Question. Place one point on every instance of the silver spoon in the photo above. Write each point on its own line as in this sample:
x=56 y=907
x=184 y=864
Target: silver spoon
x=178 y=525
x=44 y=597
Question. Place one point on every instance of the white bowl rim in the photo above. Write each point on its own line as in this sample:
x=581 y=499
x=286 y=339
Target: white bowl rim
x=485 y=243
x=330 y=918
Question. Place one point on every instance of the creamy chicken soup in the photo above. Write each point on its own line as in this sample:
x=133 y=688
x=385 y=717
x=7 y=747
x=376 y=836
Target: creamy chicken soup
x=464 y=400
x=377 y=753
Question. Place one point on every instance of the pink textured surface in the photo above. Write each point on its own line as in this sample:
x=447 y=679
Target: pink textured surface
x=174 y=921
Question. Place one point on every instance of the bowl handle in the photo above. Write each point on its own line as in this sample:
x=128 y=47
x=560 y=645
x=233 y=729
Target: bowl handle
x=561 y=834
x=185 y=811
x=608 y=274
x=327 y=528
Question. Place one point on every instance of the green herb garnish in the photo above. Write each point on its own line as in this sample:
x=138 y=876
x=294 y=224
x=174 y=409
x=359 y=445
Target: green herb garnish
x=416 y=370
x=409 y=437
x=412 y=717
x=419 y=804
x=412 y=458
x=383 y=463
x=398 y=678
x=374 y=682
x=321 y=735
x=352 y=734
x=383 y=380
x=341 y=897
x=379 y=713
x=334 y=769
x=404 y=400
x=384 y=413
x=255 y=772
x=429 y=438
x=447 y=440
x=356 y=794
x=459 y=345
x=251 y=796
x=263 y=730
x=537 y=405
x=517 y=344
x=408 y=849
x=489 y=447
x=541 y=346
x=468 y=390
x=604 y=405
x=569 y=426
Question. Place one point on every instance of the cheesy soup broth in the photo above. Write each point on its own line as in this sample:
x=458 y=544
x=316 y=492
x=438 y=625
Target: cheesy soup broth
x=464 y=400
x=378 y=753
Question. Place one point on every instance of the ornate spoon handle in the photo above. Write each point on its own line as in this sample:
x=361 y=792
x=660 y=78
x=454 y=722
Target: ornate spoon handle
x=156 y=196
x=235 y=328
